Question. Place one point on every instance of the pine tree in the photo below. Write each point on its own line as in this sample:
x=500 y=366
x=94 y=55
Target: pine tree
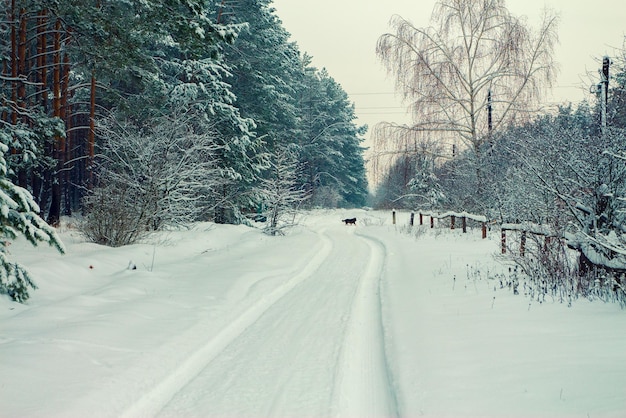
x=330 y=142
x=19 y=214
x=265 y=70
x=147 y=60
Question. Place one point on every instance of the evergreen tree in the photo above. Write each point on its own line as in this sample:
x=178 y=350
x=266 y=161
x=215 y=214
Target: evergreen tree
x=265 y=70
x=157 y=57
x=197 y=76
x=19 y=214
x=330 y=142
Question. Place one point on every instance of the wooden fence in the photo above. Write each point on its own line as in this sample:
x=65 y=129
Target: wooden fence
x=579 y=242
x=524 y=229
x=463 y=216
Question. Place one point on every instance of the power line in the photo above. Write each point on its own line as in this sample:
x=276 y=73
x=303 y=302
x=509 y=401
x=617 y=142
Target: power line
x=564 y=86
x=370 y=94
x=381 y=107
x=382 y=113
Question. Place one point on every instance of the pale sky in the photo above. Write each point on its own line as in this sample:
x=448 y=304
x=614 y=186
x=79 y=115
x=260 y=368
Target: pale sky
x=341 y=36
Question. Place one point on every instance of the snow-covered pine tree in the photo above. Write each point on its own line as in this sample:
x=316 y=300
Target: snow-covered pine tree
x=25 y=131
x=330 y=141
x=264 y=71
x=168 y=56
x=194 y=73
x=19 y=214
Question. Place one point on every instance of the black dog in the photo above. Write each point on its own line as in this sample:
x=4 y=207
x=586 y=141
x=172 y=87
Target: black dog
x=350 y=221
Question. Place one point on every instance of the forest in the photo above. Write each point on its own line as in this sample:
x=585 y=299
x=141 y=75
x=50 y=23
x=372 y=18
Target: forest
x=139 y=115
x=97 y=96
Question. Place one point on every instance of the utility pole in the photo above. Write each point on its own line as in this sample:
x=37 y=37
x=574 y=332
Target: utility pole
x=604 y=91
x=489 y=121
x=489 y=116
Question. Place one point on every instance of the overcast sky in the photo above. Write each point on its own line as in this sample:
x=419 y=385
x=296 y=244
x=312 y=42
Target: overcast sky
x=341 y=36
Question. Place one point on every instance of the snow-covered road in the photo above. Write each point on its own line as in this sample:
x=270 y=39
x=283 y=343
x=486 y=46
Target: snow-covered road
x=331 y=320
x=312 y=347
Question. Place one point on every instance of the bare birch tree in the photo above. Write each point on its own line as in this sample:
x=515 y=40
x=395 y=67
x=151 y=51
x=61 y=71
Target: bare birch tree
x=476 y=69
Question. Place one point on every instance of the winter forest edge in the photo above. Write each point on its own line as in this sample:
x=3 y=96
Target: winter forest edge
x=138 y=116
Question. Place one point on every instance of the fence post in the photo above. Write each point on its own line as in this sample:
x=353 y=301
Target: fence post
x=522 y=244
x=464 y=222
x=432 y=221
x=484 y=230
x=412 y=218
x=452 y=219
x=393 y=216
x=421 y=219
x=503 y=239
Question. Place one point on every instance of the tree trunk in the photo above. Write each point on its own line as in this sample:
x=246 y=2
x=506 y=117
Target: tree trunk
x=14 y=73
x=54 y=214
x=21 y=91
x=91 y=136
x=42 y=93
x=66 y=142
x=42 y=58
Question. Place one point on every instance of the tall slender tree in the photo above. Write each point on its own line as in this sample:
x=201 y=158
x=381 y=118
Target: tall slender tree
x=330 y=142
x=266 y=70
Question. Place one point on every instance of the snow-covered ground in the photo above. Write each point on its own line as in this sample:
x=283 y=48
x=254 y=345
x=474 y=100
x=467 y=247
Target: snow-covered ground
x=331 y=320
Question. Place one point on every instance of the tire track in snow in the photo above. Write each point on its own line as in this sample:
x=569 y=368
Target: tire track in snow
x=284 y=365
x=363 y=383
x=155 y=400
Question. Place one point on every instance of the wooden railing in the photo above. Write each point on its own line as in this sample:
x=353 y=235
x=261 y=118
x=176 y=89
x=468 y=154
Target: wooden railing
x=580 y=242
x=463 y=216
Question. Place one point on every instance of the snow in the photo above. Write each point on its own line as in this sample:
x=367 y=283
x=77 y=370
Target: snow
x=330 y=320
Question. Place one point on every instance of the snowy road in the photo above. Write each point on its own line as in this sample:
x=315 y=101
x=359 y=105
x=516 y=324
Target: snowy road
x=330 y=320
x=313 y=347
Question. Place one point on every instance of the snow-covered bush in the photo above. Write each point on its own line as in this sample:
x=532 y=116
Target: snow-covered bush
x=281 y=193
x=162 y=173
x=571 y=179
x=547 y=269
x=19 y=214
x=109 y=217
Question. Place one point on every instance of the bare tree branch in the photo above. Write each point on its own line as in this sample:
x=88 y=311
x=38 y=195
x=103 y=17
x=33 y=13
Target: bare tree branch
x=445 y=71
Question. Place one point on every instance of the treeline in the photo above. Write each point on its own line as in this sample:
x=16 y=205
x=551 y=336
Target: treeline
x=174 y=109
x=564 y=170
x=548 y=167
